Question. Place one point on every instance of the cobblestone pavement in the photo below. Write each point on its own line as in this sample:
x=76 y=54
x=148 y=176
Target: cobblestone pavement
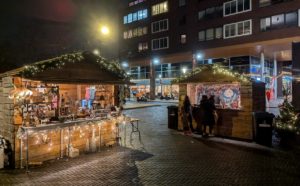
x=165 y=157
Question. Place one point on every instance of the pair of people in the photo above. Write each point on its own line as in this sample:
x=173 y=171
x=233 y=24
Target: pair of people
x=207 y=114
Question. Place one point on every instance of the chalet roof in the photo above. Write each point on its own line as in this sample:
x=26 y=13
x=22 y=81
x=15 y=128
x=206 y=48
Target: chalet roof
x=211 y=74
x=76 y=68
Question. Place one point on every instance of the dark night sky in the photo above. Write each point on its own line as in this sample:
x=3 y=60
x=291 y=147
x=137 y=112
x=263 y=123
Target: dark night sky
x=33 y=30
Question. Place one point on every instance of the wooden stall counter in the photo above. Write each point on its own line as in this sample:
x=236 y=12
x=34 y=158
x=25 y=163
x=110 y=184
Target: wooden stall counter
x=233 y=123
x=51 y=141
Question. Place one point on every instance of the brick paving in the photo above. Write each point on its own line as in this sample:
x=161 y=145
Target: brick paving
x=164 y=157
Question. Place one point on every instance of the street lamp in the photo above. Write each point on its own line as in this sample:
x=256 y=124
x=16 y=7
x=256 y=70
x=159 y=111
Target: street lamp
x=184 y=70
x=96 y=52
x=124 y=64
x=104 y=30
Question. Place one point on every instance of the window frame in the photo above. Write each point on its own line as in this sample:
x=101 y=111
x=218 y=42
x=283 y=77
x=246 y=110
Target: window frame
x=158 y=39
x=185 y=39
x=236 y=6
x=158 y=6
x=159 y=30
x=236 y=29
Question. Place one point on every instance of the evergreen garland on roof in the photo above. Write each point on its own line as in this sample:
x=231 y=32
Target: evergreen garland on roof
x=216 y=69
x=57 y=63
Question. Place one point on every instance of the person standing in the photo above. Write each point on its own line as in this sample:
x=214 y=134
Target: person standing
x=187 y=115
x=208 y=108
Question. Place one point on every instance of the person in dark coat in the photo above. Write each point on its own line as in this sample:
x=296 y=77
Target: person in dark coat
x=187 y=113
x=208 y=107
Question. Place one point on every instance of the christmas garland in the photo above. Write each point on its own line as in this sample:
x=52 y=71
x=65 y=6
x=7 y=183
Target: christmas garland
x=57 y=63
x=216 y=69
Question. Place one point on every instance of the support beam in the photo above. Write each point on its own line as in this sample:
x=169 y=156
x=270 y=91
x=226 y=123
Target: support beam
x=152 y=80
x=275 y=73
x=296 y=75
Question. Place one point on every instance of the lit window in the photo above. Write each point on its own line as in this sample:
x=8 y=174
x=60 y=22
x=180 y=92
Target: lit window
x=129 y=18
x=125 y=20
x=130 y=34
x=265 y=24
x=134 y=16
x=160 y=8
x=140 y=31
x=277 y=21
x=143 y=46
x=145 y=30
x=291 y=19
x=145 y=14
x=183 y=38
x=125 y=35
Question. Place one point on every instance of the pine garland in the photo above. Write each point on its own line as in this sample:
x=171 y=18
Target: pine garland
x=216 y=69
x=57 y=63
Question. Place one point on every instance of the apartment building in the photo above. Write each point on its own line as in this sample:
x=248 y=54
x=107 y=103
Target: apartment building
x=164 y=39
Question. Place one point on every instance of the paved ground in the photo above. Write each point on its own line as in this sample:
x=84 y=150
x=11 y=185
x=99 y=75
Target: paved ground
x=165 y=157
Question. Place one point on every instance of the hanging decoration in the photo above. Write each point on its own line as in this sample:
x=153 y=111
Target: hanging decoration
x=20 y=94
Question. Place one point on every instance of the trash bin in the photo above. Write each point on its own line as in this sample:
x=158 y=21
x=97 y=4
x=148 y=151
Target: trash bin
x=173 y=117
x=263 y=128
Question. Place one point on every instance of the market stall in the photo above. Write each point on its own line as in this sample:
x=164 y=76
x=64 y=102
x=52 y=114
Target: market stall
x=236 y=98
x=61 y=107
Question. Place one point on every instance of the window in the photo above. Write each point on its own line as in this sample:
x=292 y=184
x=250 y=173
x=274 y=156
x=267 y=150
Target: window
x=211 y=12
x=182 y=3
x=160 y=8
x=129 y=18
x=183 y=38
x=132 y=17
x=125 y=35
x=160 y=43
x=238 y=29
x=265 y=24
x=201 y=14
x=132 y=3
x=291 y=19
x=143 y=46
x=140 y=31
x=219 y=33
x=277 y=21
x=263 y=3
x=210 y=34
x=236 y=6
x=201 y=36
x=160 y=26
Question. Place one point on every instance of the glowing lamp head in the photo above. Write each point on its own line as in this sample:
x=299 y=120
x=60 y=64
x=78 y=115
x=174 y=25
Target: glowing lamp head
x=104 y=30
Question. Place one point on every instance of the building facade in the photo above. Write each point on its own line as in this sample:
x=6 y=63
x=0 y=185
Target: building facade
x=164 y=39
